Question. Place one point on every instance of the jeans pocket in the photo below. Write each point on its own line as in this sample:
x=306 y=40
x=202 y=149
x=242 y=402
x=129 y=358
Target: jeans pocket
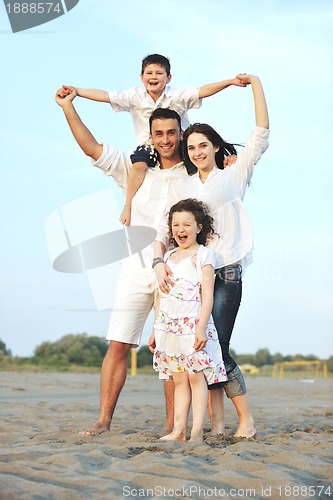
x=232 y=273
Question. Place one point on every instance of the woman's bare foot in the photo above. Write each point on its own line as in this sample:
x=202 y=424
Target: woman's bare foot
x=174 y=436
x=196 y=437
x=248 y=432
x=96 y=429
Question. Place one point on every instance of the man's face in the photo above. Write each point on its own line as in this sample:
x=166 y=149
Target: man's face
x=154 y=78
x=165 y=136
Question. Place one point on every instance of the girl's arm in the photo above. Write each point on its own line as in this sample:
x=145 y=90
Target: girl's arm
x=151 y=340
x=207 y=291
x=260 y=105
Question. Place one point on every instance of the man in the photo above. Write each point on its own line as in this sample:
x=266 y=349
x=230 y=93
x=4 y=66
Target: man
x=137 y=287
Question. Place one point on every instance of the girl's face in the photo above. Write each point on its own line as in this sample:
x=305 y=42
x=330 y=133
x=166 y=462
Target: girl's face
x=201 y=152
x=185 y=229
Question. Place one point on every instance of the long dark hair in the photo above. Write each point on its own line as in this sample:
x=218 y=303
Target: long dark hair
x=201 y=215
x=225 y=148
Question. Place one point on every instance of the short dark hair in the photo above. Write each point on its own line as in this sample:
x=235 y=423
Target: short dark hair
x=201 y=215
x=225 y=148
x=156 y=59
x=164 y=114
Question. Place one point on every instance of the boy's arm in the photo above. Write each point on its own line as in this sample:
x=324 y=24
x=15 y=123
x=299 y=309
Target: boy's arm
x=135 y=179
x=93 y=94
x=213 y=88
x=207 y=291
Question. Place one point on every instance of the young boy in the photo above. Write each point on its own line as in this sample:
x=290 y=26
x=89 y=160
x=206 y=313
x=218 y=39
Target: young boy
x=140 y=102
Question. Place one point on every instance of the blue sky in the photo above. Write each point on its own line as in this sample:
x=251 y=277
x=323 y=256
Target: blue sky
x=287 y=298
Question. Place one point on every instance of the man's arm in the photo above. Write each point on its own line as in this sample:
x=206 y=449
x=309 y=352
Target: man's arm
x=82 y=135
x=213 y=88
x=92 y=94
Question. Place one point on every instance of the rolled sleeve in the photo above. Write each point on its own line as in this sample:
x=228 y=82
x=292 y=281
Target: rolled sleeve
x=114 y=163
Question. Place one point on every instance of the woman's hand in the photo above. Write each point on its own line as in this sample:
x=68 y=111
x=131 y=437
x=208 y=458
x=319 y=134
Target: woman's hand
x=163 y=273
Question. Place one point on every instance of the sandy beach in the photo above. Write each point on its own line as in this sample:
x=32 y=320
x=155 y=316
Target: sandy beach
x=43 y=456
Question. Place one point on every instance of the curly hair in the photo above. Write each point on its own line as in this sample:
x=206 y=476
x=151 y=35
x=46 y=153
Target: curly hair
x=201 y=215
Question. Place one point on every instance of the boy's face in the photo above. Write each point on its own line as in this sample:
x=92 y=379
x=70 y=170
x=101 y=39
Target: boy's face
x=154 y=78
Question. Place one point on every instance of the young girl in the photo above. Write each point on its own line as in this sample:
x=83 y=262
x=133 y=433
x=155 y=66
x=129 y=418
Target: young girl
x=186 y=342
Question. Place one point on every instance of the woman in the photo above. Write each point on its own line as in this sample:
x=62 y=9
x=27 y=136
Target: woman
x=223 y=191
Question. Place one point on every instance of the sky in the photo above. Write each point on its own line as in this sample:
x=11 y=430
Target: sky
x=287 y=292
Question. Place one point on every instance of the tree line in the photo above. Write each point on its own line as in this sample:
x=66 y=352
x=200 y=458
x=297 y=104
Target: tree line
x=83 y=350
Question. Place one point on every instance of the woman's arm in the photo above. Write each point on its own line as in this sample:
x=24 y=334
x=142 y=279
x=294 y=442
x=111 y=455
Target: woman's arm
x=260 y=105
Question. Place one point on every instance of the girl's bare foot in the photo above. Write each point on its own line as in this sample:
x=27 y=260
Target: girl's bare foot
x=96 y=429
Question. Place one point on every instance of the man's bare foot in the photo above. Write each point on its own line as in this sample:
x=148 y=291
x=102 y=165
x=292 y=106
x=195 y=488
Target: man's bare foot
x=96 y=429
x=174 y=436
x=245 y=432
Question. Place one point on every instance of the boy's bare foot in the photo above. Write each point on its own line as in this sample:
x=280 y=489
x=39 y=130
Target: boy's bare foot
x=174 y=436
x=217 y=430
x=96 y=429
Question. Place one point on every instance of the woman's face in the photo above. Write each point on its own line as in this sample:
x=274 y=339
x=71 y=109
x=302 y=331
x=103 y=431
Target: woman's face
x=201 y=152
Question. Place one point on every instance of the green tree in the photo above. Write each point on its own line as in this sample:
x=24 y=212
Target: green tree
x=145 y=357
x=4 y=349
x=262 y=357
x=77 y=349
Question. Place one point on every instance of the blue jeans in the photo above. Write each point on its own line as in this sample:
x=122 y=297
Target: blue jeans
x=227 y=299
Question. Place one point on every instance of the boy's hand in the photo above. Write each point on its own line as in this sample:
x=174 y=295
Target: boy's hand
x=200 y=339
x=245 y=78
x=62 y=96
x=238 y=82
x=68 y=89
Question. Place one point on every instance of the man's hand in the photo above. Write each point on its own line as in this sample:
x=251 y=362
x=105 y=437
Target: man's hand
x=163 y=273
x=64 y=95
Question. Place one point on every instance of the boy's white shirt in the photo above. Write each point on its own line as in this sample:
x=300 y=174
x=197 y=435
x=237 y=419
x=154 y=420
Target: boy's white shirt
x=140 y=105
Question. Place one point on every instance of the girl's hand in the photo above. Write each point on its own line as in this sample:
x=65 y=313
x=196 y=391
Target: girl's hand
x=163 y=273
x=200 y=339
x=151 y=342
